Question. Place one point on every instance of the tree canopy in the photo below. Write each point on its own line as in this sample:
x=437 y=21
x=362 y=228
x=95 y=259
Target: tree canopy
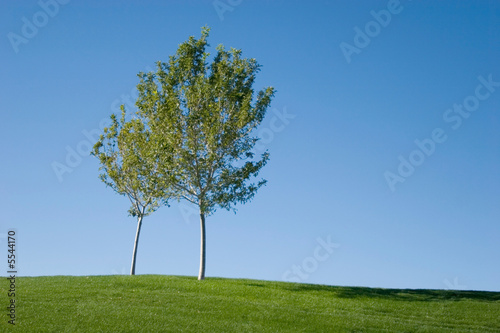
x=205 y=114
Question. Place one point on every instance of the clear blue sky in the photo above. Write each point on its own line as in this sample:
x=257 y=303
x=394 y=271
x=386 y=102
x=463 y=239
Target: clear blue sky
x=353 y=95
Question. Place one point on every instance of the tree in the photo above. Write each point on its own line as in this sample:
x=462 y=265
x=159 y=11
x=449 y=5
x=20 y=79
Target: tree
x=128 y=163
x=205 y=114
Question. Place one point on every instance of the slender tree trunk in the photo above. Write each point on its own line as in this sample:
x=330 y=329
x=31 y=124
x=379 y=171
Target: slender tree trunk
x=136 y=243
x=201 y=275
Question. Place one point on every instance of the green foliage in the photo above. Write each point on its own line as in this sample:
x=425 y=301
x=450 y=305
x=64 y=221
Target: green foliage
x=152 y=303
x=128 y=163
x=205 y=113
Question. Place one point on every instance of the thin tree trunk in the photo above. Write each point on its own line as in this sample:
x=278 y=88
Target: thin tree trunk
x=201 y=275
x=136 y=243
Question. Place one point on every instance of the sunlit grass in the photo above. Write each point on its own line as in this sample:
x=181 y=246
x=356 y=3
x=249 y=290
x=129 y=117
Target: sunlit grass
x=153 y=303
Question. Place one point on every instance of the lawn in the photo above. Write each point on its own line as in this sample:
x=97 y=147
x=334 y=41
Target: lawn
x=154 y=303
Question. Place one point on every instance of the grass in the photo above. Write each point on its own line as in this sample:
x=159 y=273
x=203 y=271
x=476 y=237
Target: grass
x=153 y=303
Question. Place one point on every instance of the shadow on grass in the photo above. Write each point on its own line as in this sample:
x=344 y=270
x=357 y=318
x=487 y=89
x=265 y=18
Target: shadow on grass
x=255 y=285
x=424 y=295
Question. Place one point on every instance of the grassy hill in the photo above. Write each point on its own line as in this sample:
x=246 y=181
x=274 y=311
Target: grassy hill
x=152 y=303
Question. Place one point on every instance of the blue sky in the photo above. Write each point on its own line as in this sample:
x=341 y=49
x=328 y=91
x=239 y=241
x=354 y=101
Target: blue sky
x=351 y=198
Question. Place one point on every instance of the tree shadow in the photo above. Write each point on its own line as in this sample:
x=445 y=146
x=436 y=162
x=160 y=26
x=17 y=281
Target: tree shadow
x=423 y=295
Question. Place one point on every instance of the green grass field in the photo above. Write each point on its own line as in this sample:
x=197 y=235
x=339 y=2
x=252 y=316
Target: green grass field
x=153 y=303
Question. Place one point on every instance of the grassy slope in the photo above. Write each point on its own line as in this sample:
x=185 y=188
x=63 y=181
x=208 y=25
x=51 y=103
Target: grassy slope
x=152 y=303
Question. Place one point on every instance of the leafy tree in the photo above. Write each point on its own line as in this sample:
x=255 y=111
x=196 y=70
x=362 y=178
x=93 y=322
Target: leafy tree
x=128 y=163
x=202 y=117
